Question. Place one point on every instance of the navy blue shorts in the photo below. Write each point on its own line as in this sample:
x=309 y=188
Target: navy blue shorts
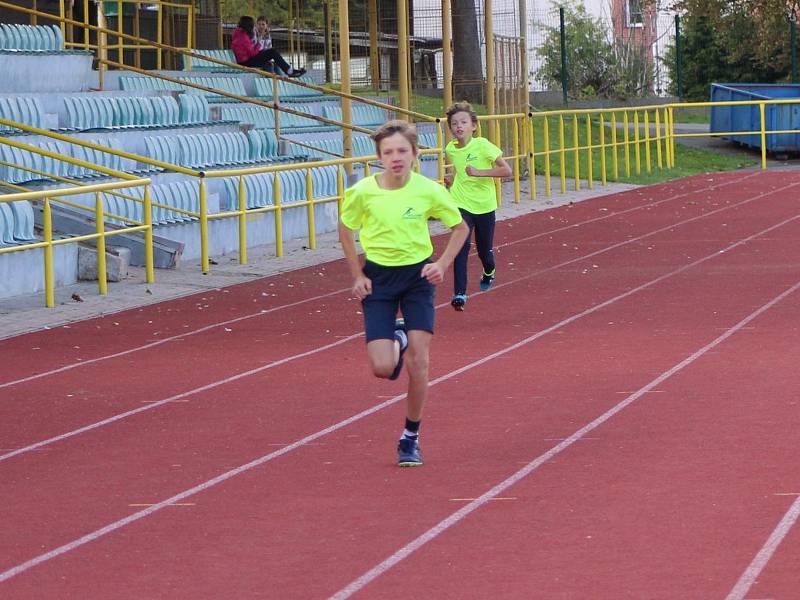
x=393 y=288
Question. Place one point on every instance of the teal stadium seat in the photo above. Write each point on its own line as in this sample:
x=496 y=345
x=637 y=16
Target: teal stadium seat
x=23 y=109
x=193 y=109
x=198 y=64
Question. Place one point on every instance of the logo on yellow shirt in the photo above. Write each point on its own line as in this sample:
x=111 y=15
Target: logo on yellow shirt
x=410 y=213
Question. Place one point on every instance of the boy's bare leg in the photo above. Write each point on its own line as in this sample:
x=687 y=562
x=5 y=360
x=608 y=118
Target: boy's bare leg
x=383 y=356
x=417 y=358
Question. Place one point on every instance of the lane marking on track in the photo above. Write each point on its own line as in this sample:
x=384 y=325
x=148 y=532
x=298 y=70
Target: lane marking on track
x=212 y=385
x=176 y=504
x=111 y=527
x=459 y=515
x=761 y=559
x=185 y=334
x=172 y=399
x=493 y=499
x=175 y=337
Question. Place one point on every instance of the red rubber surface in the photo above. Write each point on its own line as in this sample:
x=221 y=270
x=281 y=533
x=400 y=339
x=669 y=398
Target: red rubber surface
x=672 y=497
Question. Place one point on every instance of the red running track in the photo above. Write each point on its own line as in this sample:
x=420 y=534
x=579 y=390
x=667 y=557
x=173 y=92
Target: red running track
x=617 y=418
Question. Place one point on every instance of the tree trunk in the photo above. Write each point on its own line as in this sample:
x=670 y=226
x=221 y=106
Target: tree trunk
x=468 y=77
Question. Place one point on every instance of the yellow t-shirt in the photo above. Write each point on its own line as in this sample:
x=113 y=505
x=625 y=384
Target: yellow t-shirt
x=394 y=223
x=474 y=194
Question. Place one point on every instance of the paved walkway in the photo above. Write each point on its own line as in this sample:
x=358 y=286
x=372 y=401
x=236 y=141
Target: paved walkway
x=24 y=314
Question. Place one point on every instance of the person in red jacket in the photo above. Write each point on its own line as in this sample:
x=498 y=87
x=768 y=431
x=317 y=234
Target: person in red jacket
x=248 y=51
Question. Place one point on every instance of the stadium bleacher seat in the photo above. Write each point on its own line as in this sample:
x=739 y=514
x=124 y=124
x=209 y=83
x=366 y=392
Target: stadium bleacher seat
x=31 y=38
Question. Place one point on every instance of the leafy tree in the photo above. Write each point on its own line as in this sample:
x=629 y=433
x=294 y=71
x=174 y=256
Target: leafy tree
x=596 y=65
x=277 y=11
x=730 y=41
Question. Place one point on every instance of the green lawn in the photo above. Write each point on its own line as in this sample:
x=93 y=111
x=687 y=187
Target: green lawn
x=689 y=160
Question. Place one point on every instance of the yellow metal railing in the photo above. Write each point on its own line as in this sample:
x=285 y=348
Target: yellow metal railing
x=120 y=46
x=46 y=199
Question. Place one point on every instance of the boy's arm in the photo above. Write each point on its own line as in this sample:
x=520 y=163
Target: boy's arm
x=500 y=169
x=434 y=272
x=362 y=285
x=449 y=175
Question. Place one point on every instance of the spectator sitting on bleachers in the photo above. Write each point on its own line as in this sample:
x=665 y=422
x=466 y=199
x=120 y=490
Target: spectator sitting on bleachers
x=263 y=36
x=248 y=51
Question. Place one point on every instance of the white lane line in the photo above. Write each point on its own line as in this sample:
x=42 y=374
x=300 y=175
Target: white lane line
x=313 y=351
x=181 y=335
x=336 y=292
x=365 y=413
x=175 y=398
x=761 y=559
x=457 y=516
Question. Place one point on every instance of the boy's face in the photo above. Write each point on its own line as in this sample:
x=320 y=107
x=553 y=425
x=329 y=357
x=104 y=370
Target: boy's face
x=462 y=126
x=397 y=154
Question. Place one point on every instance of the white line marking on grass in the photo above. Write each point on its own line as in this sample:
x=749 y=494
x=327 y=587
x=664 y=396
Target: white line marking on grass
x=186 y=334
x=457 y=516
x=282 y=361
x=761 y=559
x=378 y=407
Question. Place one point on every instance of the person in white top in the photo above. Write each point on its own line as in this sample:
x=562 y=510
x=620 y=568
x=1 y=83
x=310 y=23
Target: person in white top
x=263 y=37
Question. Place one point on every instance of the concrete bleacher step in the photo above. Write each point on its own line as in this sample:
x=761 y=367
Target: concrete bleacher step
x=56 y=71
x=166 y=252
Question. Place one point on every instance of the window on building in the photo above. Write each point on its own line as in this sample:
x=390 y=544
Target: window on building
x=633 y=13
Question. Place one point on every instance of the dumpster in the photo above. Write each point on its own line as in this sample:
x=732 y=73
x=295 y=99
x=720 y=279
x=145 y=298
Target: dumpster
x=778 y=117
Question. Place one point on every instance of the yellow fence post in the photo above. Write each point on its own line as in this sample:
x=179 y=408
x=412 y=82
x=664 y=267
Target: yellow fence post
x=589 y=157
x=515 y=146
x=49 y=276
x=312 y=228
x=440 y=154
x=276 y=193
x=576 y=155
x=339 y=189
x=149 y=262
x=159 y=35
x=120 y=41
x=658 y=141
x=204 y=258
x=614 y=147
x=667 y=147
x=762 y=112
x=548 y=188
x=529 y=131
x=626 y=140
x=242 y=221
x=562 y=153
x=672 y=136
x=99 y=219
x=603 y=176
x=637 y=140
x=647 y=160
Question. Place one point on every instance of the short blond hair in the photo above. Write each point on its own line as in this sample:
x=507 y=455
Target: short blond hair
x=407 y=130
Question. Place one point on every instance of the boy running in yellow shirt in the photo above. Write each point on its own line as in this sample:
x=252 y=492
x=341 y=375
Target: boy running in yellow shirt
x=475 y=162
x=391 y=210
